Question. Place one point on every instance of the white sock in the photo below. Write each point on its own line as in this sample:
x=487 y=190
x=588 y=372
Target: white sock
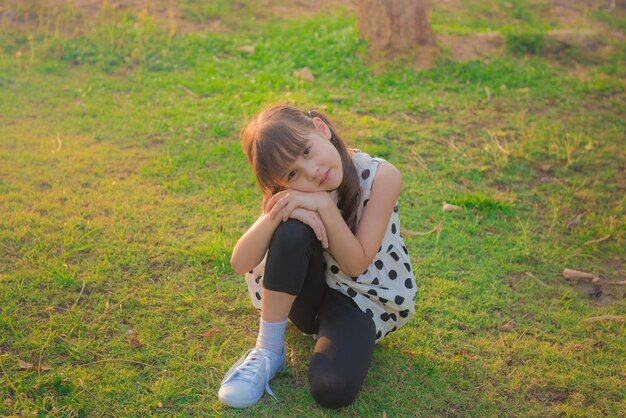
x=272 y=336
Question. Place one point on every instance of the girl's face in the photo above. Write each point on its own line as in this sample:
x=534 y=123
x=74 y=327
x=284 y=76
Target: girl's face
x=319 y=167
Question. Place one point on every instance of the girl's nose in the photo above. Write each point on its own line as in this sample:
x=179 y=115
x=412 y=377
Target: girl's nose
x=313 y=170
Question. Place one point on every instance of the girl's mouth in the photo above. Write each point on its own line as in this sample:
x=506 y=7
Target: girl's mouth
x=325 y=177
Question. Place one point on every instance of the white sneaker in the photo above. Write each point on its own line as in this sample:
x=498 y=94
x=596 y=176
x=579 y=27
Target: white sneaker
x=246 y=381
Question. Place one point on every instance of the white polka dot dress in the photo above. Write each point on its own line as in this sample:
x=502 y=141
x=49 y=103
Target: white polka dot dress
x=386 y=291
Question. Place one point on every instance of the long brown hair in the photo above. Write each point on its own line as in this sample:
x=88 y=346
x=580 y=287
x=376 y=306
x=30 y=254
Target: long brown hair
x=273 y=140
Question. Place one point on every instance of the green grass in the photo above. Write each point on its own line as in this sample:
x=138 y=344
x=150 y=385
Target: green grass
x=123 y=189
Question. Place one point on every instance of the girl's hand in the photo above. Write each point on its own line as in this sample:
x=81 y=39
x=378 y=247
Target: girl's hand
x=312 y=219
x=285 y=202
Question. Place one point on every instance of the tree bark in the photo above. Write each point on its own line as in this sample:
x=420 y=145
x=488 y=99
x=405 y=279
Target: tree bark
x=395 y=25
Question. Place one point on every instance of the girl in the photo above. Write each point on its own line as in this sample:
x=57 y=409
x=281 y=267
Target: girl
x=326 y=253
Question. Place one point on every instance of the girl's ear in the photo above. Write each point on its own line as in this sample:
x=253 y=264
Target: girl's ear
x=322 y=127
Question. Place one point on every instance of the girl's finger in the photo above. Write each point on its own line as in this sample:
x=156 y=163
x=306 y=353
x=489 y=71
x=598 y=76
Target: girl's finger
x=325 y=238
x=280 y=214
x=317 y=229
x=277 y=197
x=272 y=202
x=318 y=232
x=277 y=207
x=287 y=210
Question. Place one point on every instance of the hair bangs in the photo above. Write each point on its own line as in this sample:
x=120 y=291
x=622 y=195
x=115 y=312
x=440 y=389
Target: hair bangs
x=277 y=148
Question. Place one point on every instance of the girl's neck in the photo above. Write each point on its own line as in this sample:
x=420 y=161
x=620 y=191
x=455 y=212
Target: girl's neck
x=334 y=196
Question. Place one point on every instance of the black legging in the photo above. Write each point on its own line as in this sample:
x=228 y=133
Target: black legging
x=346 y=335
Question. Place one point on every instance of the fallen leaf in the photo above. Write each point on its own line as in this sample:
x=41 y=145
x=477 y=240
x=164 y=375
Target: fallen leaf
x=304 y=74
x=598 y=241
x=545 y=168
x=215 y=25
x=248 y=49
x=509 y=326
x=542 y=283
x=601 y=282
x=575 y=274
x=494 y=137
x=416 y=233
x=604 y=238
x=24 y=365
x=607 y=318
x=573 y=223
x=447 y=207
x=294 y=365
x=134 y=341
x=210 y=333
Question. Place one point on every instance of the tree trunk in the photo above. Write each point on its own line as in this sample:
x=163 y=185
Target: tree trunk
x=395 y=25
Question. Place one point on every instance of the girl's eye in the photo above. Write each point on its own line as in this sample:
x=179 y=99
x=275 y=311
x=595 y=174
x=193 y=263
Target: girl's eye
x=307 y=150
x=291 y=175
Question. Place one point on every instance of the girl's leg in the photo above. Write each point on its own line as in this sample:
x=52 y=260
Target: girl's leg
x=294 y=280
x=293 y=274
x=343 y=351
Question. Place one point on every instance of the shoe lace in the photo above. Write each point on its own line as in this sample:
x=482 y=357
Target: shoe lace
x=251 y=365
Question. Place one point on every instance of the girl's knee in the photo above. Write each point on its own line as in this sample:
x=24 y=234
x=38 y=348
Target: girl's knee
x=332 y=391
x=293 y=234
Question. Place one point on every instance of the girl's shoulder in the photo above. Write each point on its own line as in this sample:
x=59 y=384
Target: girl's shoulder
x=362 y=159
x=369 y=168
x=375 y=174
x=367 y=165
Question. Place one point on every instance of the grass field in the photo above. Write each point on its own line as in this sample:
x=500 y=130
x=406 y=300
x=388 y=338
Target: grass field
x=123 y=189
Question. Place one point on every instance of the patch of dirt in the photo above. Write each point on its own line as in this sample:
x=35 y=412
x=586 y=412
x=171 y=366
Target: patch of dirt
x=590 y=42
x=607 y=289
x=465 y=48
x=568 y=12
x=574 y=13
x=547 y=396
x=597 y=294
x=601 y=295
x=614 y=268
x=301 y=8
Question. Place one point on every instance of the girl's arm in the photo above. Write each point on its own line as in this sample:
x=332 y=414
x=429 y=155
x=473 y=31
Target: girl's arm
x=355 y=253
x=252 y=246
